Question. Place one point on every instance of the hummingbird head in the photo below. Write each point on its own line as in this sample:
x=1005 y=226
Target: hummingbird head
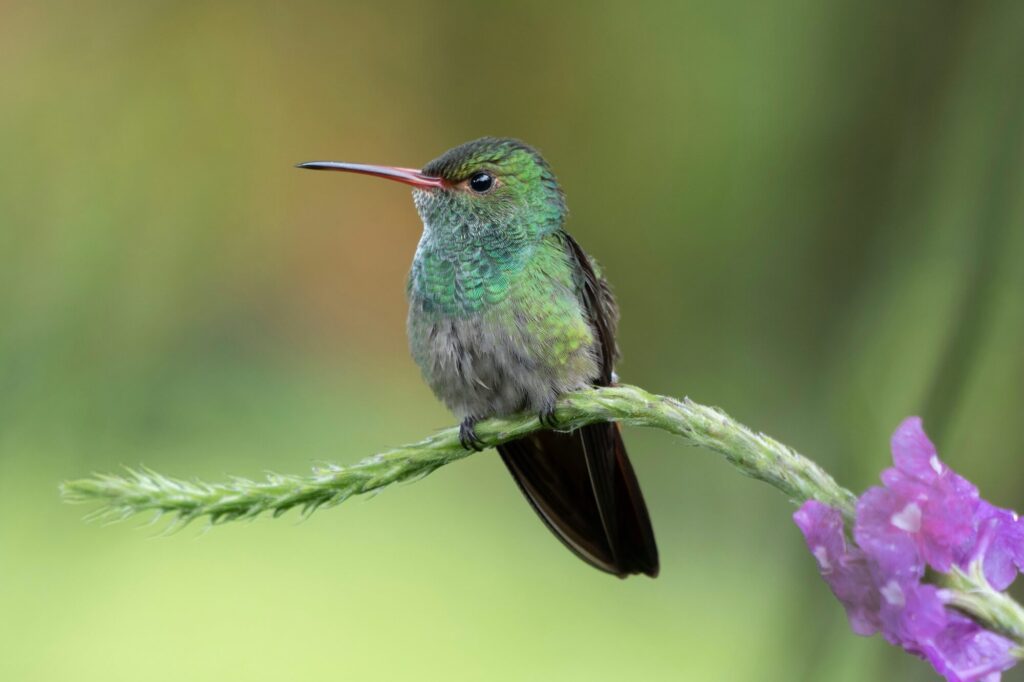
x=492 y=185
x=491 y=189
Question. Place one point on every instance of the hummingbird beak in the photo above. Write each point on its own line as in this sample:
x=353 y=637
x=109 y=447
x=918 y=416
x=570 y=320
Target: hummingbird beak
x=409 y=176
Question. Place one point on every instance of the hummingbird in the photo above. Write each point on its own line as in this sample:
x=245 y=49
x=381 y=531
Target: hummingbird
x=507 y=313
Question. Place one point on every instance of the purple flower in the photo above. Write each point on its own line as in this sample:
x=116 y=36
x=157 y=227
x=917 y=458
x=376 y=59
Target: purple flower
x=964 y=652
x=924 y=515
x=925 y=512
x=1000 y=545
x=911 y=613
x=886 y=527
x=844 y=568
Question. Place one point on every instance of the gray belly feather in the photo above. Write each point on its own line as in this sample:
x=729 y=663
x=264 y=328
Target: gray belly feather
x=479 y=368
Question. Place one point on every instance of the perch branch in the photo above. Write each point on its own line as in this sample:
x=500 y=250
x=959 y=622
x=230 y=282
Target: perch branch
x=754 y=454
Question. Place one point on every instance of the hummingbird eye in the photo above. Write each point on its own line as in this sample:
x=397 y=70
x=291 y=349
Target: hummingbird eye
x=481 y=182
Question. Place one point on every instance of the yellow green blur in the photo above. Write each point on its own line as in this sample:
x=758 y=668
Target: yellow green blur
x=809 y=213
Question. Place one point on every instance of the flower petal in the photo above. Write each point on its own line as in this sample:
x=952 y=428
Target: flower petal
x=844 y=568
x=913 y=453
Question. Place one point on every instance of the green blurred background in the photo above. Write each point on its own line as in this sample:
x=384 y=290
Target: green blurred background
x=811 y=213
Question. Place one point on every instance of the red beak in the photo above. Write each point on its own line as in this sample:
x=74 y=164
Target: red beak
x=409 y=176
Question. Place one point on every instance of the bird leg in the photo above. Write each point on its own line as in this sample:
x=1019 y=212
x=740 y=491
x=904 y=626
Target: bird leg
x=547 y=416
x=467 y=435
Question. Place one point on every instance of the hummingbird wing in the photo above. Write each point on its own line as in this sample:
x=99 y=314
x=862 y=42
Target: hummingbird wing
x=581 y=483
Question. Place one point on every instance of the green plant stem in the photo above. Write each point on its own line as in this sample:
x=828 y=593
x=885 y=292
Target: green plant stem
x=971 y=593
x=754 y=454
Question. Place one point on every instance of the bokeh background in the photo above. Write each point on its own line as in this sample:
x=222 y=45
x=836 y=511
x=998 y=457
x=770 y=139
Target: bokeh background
x=811 y=213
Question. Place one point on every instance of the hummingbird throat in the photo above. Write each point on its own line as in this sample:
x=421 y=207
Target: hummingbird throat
x=466 y=262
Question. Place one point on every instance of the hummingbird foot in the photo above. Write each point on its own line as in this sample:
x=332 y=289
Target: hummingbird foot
x=468 y=437
x=547 y=416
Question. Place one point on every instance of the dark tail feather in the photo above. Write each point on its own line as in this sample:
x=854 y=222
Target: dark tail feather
x=583 y=487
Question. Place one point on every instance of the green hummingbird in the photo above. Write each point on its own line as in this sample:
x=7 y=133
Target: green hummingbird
x=506 y=313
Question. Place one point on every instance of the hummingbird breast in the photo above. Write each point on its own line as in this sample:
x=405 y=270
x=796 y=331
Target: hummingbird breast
x=493 y=340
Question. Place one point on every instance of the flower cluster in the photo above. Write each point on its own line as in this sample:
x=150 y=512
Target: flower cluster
x=925 y=515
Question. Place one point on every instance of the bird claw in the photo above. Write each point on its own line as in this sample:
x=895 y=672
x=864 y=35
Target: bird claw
x=548 y=418
x=467 y=435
